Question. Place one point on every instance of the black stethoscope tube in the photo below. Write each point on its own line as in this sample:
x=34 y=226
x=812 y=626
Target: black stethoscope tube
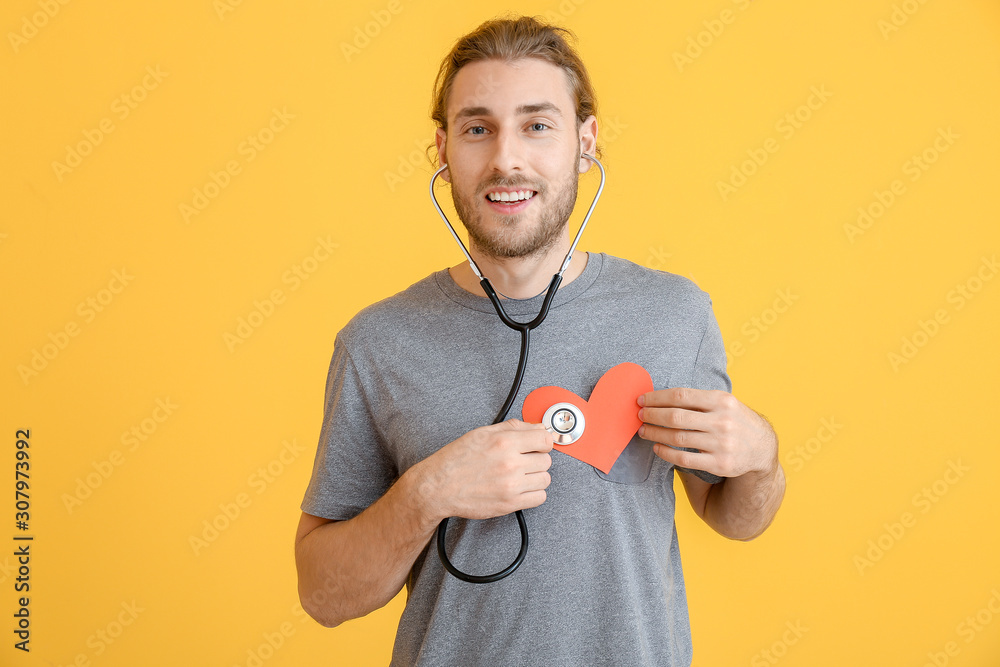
x=525 y=329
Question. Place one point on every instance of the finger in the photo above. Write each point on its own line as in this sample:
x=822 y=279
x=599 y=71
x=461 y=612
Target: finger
x=531 y=499
x=535 y=462
x=526 y=428
x=537 y=481
x=536 y=441
x=683 y=459
x=702 y=400
x=691 y=420
x=677 y=437
x=525 y=438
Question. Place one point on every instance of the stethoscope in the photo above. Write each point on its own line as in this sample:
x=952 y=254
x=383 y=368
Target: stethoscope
x=563 y=419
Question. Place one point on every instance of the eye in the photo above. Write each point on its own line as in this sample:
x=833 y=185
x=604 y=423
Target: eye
x=477 y=127
x=538 y=126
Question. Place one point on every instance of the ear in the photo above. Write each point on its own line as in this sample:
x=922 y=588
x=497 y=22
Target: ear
x=439 y=137
x=588 y=142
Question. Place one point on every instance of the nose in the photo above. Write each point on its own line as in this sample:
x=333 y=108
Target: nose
x=508 y=152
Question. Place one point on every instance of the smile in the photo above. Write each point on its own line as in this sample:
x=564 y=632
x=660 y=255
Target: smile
x=511 y=197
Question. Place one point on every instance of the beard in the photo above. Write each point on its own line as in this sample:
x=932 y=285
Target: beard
x=509 y=238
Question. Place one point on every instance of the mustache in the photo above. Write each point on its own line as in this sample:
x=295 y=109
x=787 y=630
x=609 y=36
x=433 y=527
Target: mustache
x=518 y=183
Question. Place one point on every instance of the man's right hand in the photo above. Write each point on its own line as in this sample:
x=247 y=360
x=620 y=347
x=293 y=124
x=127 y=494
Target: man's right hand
x=490 y=471
x=348 y=568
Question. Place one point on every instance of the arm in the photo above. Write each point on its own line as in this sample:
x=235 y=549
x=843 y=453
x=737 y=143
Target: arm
x=740 y=508
x=733 y=441
x=349 y=568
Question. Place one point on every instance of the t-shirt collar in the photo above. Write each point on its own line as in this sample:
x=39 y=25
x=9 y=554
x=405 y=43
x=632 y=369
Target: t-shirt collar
x=531 y=306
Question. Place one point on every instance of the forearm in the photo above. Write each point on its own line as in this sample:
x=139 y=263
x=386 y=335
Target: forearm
x=741 y=508
x=349 y=568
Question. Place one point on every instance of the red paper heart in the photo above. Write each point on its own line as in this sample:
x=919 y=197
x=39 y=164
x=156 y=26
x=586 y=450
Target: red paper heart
x=611 y=414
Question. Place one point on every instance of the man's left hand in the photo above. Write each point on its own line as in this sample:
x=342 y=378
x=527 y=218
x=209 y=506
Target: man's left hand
x=731 y=438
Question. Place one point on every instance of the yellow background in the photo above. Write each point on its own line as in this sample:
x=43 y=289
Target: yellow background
x=672 y=130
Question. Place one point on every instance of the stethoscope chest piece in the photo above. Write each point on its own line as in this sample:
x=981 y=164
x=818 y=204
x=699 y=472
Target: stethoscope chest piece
x=565 y=421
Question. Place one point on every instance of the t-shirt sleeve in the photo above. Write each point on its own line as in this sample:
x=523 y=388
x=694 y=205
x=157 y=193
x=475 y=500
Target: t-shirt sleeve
x=351 y=469
x=710 y=372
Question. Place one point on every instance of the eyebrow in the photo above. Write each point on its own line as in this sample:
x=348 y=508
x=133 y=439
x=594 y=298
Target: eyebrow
x=521 y=110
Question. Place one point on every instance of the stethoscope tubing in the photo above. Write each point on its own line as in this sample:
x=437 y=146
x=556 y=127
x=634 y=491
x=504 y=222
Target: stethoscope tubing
x=524 y=328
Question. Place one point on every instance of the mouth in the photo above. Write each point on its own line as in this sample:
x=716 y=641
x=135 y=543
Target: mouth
x=510 y=201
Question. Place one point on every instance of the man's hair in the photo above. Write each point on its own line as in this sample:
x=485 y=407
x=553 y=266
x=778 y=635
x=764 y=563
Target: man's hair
x=508 y=40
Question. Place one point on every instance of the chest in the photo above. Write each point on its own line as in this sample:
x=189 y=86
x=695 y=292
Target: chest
x=451 y=384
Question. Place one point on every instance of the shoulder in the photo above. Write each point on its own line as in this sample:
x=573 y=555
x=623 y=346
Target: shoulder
x=389 y=315
x=662 y=288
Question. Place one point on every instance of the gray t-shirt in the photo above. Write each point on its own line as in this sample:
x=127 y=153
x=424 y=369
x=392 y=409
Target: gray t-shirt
x=602 y=581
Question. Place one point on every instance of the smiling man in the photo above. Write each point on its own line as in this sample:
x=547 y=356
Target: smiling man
x=414 y=378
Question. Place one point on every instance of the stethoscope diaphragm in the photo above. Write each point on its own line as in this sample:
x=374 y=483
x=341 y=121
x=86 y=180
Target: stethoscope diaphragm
x=565 y=421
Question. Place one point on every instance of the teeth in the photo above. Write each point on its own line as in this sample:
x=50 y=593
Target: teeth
x=511 y=196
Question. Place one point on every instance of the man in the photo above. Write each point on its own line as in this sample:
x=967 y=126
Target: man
x=415 y=377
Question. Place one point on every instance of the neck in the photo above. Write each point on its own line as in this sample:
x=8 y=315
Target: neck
x=519 y=277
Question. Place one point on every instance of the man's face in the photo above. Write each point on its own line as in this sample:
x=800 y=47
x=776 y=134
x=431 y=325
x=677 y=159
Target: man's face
x=512 y=128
